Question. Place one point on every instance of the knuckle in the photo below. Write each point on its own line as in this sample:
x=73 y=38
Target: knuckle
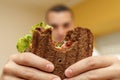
x=91 y=63
x=6 y=68
x=24 y=58
x=12 y=57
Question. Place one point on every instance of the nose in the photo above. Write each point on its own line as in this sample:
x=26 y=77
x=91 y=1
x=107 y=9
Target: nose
x=61 y=31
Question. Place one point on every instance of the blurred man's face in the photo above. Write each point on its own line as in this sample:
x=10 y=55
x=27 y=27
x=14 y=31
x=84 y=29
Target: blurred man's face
x=61 y=23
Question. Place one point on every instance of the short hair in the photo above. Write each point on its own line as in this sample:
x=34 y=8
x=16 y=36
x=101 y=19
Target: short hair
x=58 y=8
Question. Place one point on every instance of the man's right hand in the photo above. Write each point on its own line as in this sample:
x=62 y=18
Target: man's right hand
x=28 y=66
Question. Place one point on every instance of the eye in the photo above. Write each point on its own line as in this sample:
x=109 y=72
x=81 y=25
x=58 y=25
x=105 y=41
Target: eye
x=66 y=25
x=54 y=26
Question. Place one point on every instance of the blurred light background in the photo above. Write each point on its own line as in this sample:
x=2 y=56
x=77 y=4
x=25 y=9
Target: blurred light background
x=101 y=16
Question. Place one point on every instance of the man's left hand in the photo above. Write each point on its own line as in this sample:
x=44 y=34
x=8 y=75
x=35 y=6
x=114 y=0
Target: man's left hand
x=95 y=68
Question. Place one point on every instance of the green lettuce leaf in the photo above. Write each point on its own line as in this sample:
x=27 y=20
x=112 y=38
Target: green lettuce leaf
x=24 y=43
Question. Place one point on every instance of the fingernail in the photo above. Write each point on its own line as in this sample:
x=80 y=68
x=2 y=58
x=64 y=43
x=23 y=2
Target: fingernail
x=57 y=78
x=68 y=72
x=50 y=67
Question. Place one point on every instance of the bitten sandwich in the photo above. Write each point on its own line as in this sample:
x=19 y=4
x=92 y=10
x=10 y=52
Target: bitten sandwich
x=79 y=44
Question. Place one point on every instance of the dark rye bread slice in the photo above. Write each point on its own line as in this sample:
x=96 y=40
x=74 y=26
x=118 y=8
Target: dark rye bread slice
x=82 y=47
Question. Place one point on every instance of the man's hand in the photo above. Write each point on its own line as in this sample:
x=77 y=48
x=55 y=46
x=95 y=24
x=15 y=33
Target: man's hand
x=28 y=66
x=95 y=68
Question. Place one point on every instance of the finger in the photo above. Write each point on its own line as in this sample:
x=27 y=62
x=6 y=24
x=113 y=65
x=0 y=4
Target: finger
x=8 y=77
x=89 y=64
x=28 y=72
x=108 y=73
x=32 y=60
